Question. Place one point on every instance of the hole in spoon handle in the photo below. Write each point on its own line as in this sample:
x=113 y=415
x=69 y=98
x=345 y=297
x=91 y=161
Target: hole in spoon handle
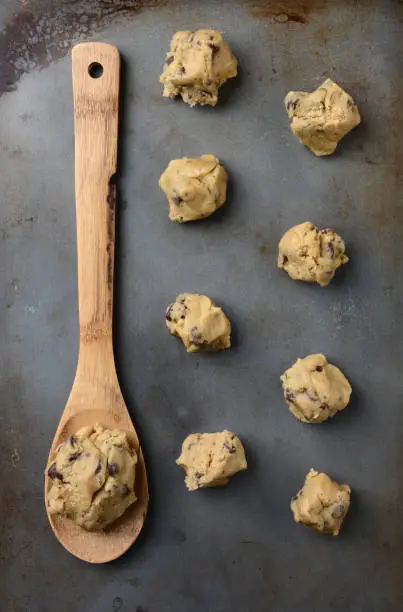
x=95 y=70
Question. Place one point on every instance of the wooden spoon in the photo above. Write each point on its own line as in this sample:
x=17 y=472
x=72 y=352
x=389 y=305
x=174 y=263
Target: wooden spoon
x=96 y=396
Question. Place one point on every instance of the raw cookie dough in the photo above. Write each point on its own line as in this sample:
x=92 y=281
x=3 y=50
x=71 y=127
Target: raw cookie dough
x=315 y=389
x=309 y=254
x=197 y=64
x=321 y=118
x=195 y=188
x=92 y=475
x=210 y=459
x=322 y=503
x=199 y=323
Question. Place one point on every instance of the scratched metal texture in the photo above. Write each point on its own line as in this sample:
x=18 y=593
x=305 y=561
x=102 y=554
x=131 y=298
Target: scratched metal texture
x=236 y=549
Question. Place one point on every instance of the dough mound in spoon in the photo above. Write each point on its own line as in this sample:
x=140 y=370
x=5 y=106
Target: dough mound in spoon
x=92 y=474
x=197 y=64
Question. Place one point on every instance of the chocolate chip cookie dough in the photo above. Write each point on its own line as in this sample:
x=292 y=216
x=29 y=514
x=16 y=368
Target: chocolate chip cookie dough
x=315 y=389
x=92 y=476
x=199 y=323
x=320 y=119
x=322 y=503
x=195 y=187
x=309 y=254
x=209 y=459
x=197 y=64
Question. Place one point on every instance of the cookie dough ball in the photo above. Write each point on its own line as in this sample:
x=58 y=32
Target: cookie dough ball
x=92 y=476
x=199 y=323
x=321 y=118
x=197 y=64
x=210 y=459
x=309 y=254
x=321 y=503
x=195 y=188
x=315 y=389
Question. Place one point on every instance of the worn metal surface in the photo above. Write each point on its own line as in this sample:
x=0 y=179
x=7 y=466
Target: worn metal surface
x=235 y=549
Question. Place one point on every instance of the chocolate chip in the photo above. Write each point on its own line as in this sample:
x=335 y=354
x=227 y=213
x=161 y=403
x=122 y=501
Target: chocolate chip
x=292 y=104
x=53 y=473
x=338 y=511
x=289 y=395
x=324 y=406
x=75 y=456
x=125 y=490
x=98 y=468
x=169 y=60
x=177 y=200
x=326 y=230
x=196 y=336
x=331 y=249
x=191 y=37
x=214 y=50
x=112 y=468
x=168 y=312
x=198 y=475
x=182 y=70
x=319 y=369
x=230 y=449
x=73 y=440
x=285 y=260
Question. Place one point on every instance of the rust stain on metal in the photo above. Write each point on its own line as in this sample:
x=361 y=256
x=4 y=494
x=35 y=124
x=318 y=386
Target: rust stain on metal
x=284 y=12
x=41 y=32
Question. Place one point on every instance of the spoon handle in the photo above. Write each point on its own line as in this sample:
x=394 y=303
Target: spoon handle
x=95 y=68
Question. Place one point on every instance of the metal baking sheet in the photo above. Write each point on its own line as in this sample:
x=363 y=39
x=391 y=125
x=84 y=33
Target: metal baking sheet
x=235 y=549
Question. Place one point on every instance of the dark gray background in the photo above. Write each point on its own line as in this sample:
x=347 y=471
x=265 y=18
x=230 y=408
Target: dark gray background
x=235 y=549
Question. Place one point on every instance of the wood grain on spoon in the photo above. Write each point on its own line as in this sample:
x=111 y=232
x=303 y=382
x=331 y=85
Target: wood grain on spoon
x=96 y=396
